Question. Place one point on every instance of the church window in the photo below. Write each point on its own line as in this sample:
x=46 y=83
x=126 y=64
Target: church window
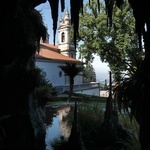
x=63 y=37
x=60 y=74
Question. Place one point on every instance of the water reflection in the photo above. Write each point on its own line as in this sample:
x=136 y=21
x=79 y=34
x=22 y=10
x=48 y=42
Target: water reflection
x=52 y=132
x=58 y=126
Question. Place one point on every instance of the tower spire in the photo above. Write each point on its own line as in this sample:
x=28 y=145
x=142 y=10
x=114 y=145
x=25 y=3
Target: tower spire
x=63 y=36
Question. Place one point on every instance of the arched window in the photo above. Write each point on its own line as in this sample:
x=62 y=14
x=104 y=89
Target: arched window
x=60 y=74
x=63 y=37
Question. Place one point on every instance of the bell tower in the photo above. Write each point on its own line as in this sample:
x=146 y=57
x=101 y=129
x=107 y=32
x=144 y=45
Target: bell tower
x=64 y=45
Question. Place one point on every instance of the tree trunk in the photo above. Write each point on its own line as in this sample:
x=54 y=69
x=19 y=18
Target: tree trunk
x=71 y=89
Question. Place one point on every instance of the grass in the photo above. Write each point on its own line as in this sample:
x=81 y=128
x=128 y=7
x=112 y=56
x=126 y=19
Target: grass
x=91 y=117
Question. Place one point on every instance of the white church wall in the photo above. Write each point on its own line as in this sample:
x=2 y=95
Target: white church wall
x=53 y=74
x=93 y=91
x=78 y=79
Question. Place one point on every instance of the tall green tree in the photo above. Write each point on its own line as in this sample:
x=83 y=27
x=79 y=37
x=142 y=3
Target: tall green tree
x=117 y=46
x=135 y=90
x=89 y=74
x=120 y=45
x=71 y=70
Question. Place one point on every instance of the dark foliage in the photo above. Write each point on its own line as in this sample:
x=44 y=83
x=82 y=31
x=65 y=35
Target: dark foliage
x=22 y=29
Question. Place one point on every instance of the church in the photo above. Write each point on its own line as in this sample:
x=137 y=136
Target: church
x=50 y=57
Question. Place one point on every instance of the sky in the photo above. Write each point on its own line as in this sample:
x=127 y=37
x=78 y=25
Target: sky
x=101 y=69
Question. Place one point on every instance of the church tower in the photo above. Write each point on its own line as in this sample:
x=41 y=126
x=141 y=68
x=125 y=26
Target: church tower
x=66 y=48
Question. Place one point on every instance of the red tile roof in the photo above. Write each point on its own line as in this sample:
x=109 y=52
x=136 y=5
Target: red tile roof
x=50 y=47
x=51 y=52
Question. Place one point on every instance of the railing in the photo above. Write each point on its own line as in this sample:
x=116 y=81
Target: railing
x=78 y=87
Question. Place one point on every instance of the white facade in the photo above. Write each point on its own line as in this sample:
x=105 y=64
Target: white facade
x=95 y=91
x=55 y=75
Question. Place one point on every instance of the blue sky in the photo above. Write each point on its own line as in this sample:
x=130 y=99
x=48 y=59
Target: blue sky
x=101 y=69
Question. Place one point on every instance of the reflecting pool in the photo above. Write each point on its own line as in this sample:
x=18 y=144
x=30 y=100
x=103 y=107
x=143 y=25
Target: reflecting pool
x=57 y=127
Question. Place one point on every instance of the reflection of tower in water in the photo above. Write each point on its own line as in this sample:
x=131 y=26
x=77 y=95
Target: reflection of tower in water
x=58 y=127
x=65 y=130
